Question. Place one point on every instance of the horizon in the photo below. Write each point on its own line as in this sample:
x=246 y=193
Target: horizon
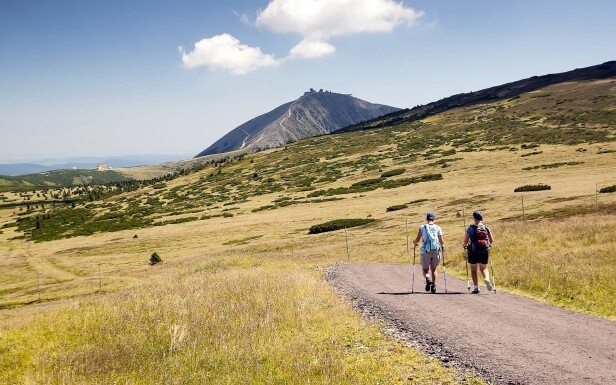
x=117 y=79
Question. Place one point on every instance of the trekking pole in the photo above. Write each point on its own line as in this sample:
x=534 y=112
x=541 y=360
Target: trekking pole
x=468 y=283
x=444 y=269
x=493 y=279
x=413 y=284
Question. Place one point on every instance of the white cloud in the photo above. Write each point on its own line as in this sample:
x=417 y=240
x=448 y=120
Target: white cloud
x=310 y=48
x=225 y=52
x=319 y=20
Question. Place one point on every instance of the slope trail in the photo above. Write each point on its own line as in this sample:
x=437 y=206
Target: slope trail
x=504 y=338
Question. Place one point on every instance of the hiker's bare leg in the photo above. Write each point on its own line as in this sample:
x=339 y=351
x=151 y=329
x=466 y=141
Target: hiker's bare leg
x=474 y=273
x=425 y=269
x=433 y=274
x=484 y=271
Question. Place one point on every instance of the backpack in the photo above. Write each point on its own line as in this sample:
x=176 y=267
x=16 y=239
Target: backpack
x=430 y=238
x=480 y=240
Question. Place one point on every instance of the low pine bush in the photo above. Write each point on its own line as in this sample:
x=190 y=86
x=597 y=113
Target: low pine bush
x=338 y=224
x=533 y=187
x=396 y=207
x=397 y=171
x=608 y=189
x=155 y=258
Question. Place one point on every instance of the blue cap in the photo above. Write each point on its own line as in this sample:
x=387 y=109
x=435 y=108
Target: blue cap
x=477 y=215
x=430 y=216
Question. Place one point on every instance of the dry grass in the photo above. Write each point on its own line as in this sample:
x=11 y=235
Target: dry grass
x=569 y=262
x=236 y=300
x=232 y=321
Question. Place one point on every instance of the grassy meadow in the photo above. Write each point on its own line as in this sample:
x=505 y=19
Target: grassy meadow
x=240 y=296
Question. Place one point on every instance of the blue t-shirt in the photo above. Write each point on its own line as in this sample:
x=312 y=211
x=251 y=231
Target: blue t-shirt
x=471 y=232
x=429 y=235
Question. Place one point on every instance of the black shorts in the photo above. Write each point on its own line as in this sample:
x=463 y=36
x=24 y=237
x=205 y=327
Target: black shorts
x=478 y=257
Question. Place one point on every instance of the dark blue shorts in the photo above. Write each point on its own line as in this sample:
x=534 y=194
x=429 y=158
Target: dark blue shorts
x=478 y=257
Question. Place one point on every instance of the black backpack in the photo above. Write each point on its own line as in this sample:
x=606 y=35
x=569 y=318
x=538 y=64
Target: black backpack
x=480 y=240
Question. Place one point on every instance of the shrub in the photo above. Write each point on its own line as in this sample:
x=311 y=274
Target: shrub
x=338 y=224
x=396 y=207
x=155 y=258
x=552 y=165
x=608 y=189
x=533 y=187
x=529 y=146
x=366 y=183
x=397 y=171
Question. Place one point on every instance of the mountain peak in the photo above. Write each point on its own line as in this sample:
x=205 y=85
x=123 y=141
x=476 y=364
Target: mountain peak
x=314 y=113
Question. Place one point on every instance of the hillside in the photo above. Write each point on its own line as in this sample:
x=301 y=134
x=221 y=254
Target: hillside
x=332 y=167
x=511 y=90
x=315 y=113
x=240 y=292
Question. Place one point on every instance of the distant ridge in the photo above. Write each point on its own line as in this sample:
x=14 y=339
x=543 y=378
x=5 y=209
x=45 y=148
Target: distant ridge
x=505 y=91
x=315 y=113
x=84 y=163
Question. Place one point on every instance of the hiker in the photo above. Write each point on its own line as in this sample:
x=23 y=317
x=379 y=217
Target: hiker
x=481 y=238
x=433 y=242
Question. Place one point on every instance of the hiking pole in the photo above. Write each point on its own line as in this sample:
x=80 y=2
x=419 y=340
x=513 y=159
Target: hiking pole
x=493 y=279
x=468 y=283
x=413 y=284
x=444 y=269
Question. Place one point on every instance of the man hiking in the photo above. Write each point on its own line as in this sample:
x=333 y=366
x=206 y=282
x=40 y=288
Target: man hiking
x=433 y=242
x=481 y=238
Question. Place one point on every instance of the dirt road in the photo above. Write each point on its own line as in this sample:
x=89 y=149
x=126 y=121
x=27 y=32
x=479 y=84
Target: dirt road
x=503 y=338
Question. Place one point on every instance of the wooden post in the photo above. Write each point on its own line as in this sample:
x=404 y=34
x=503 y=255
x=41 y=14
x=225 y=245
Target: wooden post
x=38 y=284
x=523 y=216
x=346 y=236
x=597 y=197
x=408 y=251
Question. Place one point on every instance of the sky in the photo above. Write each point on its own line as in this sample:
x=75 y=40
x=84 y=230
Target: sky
x=128 y=77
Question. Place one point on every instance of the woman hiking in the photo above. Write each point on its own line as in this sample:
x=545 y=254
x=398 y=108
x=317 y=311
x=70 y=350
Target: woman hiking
x=481 y=238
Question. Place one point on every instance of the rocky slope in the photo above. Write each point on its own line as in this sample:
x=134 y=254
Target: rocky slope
x=315 y=113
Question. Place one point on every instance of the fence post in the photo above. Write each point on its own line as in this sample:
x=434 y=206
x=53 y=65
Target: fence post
x=407 y=237
x=346 y=236
x=597 y=197
x=38 y=285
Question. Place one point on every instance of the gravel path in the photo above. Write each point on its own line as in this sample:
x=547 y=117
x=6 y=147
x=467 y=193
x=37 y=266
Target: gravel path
x=503 y=338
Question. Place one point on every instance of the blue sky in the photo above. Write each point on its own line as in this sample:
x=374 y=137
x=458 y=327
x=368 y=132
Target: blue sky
x=107 y=78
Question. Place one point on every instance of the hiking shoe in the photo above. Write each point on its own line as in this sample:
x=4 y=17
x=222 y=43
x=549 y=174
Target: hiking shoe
x=428 y=283
x=475 y=290
x=433 y=288
x=488 y=284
